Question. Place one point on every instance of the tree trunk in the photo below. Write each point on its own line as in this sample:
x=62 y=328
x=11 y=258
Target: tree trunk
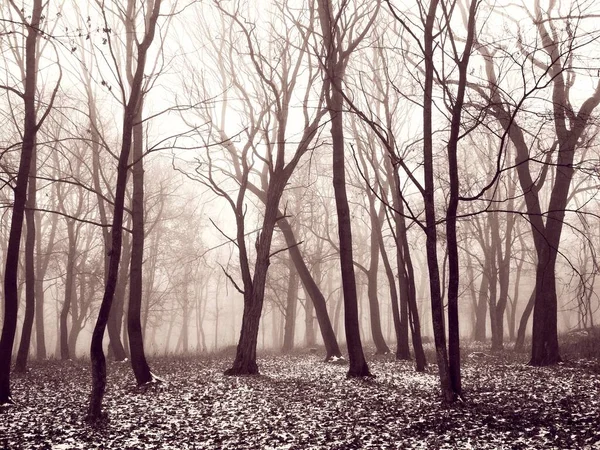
x=358 y=364
x=140 y=366
x=96 y=352
x=115 y=318
x=30 y=279
x=406 y=273
x=69 y=287
x=437 y=307
x=11 y=301
x=309 y=320
x=381 y=347
x=254 y=286
x=290 y=308
x=312 y=289
x=41 y=269
x=393 y=296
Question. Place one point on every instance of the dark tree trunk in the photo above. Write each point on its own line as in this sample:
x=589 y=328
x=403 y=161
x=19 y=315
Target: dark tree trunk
x=406 y=273
x=544 y=337
x=96 y=352
x=290 y=308
x=115 y=319
x=312 y=289
x=358 y=364
x=30 y=279
x=453 y=201
x=437 y=306
x=140 y=366
x=11 y=301
x=520 y=341
x=254 y=285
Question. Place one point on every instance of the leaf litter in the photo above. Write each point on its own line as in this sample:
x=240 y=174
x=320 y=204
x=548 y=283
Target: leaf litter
x=299 y=402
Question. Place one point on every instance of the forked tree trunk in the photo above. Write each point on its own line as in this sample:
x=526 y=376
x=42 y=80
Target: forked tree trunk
x=96 y=352
x=254 y=285
x=437 y=307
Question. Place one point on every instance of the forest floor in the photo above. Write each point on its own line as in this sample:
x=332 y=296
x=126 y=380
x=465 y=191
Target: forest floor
x=299 y=402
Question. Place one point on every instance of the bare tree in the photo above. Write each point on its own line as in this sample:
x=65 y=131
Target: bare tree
x=557 y=71
x=336 y=56
x=31 y=125
x=131 y=104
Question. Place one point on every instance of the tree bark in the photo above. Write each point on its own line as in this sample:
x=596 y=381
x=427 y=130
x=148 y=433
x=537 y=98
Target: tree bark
x=335 y=62
x=139 y=364
x=96 y=352
x=290 y=308
x=30 y=126
x=437 y=307
x=312 y=289
x=381 y=347
x=30 y=278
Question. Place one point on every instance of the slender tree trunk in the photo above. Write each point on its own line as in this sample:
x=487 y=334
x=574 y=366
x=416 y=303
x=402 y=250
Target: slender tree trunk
x=96 y=352
x=30 y=279
x=515 y=302
x=115 y=318
x=381 y=347
x=309 y=320
x=479 y=333
x=406 y=273
x=312 y=289
x=140 y=366
x=335 y=62
x=437 y=307
x=11 y=301
x=41 y=269
x=393 y=295
x=520 y=342
x=290 y=308
x=69 y=287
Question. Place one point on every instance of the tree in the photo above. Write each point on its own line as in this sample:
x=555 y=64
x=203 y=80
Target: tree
x=131 y=104
x=266 y=157
x=336 y=58
x=31 y=125
x=557 y=71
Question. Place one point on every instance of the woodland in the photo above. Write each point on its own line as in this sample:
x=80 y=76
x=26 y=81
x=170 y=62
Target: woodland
x=301 y=224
